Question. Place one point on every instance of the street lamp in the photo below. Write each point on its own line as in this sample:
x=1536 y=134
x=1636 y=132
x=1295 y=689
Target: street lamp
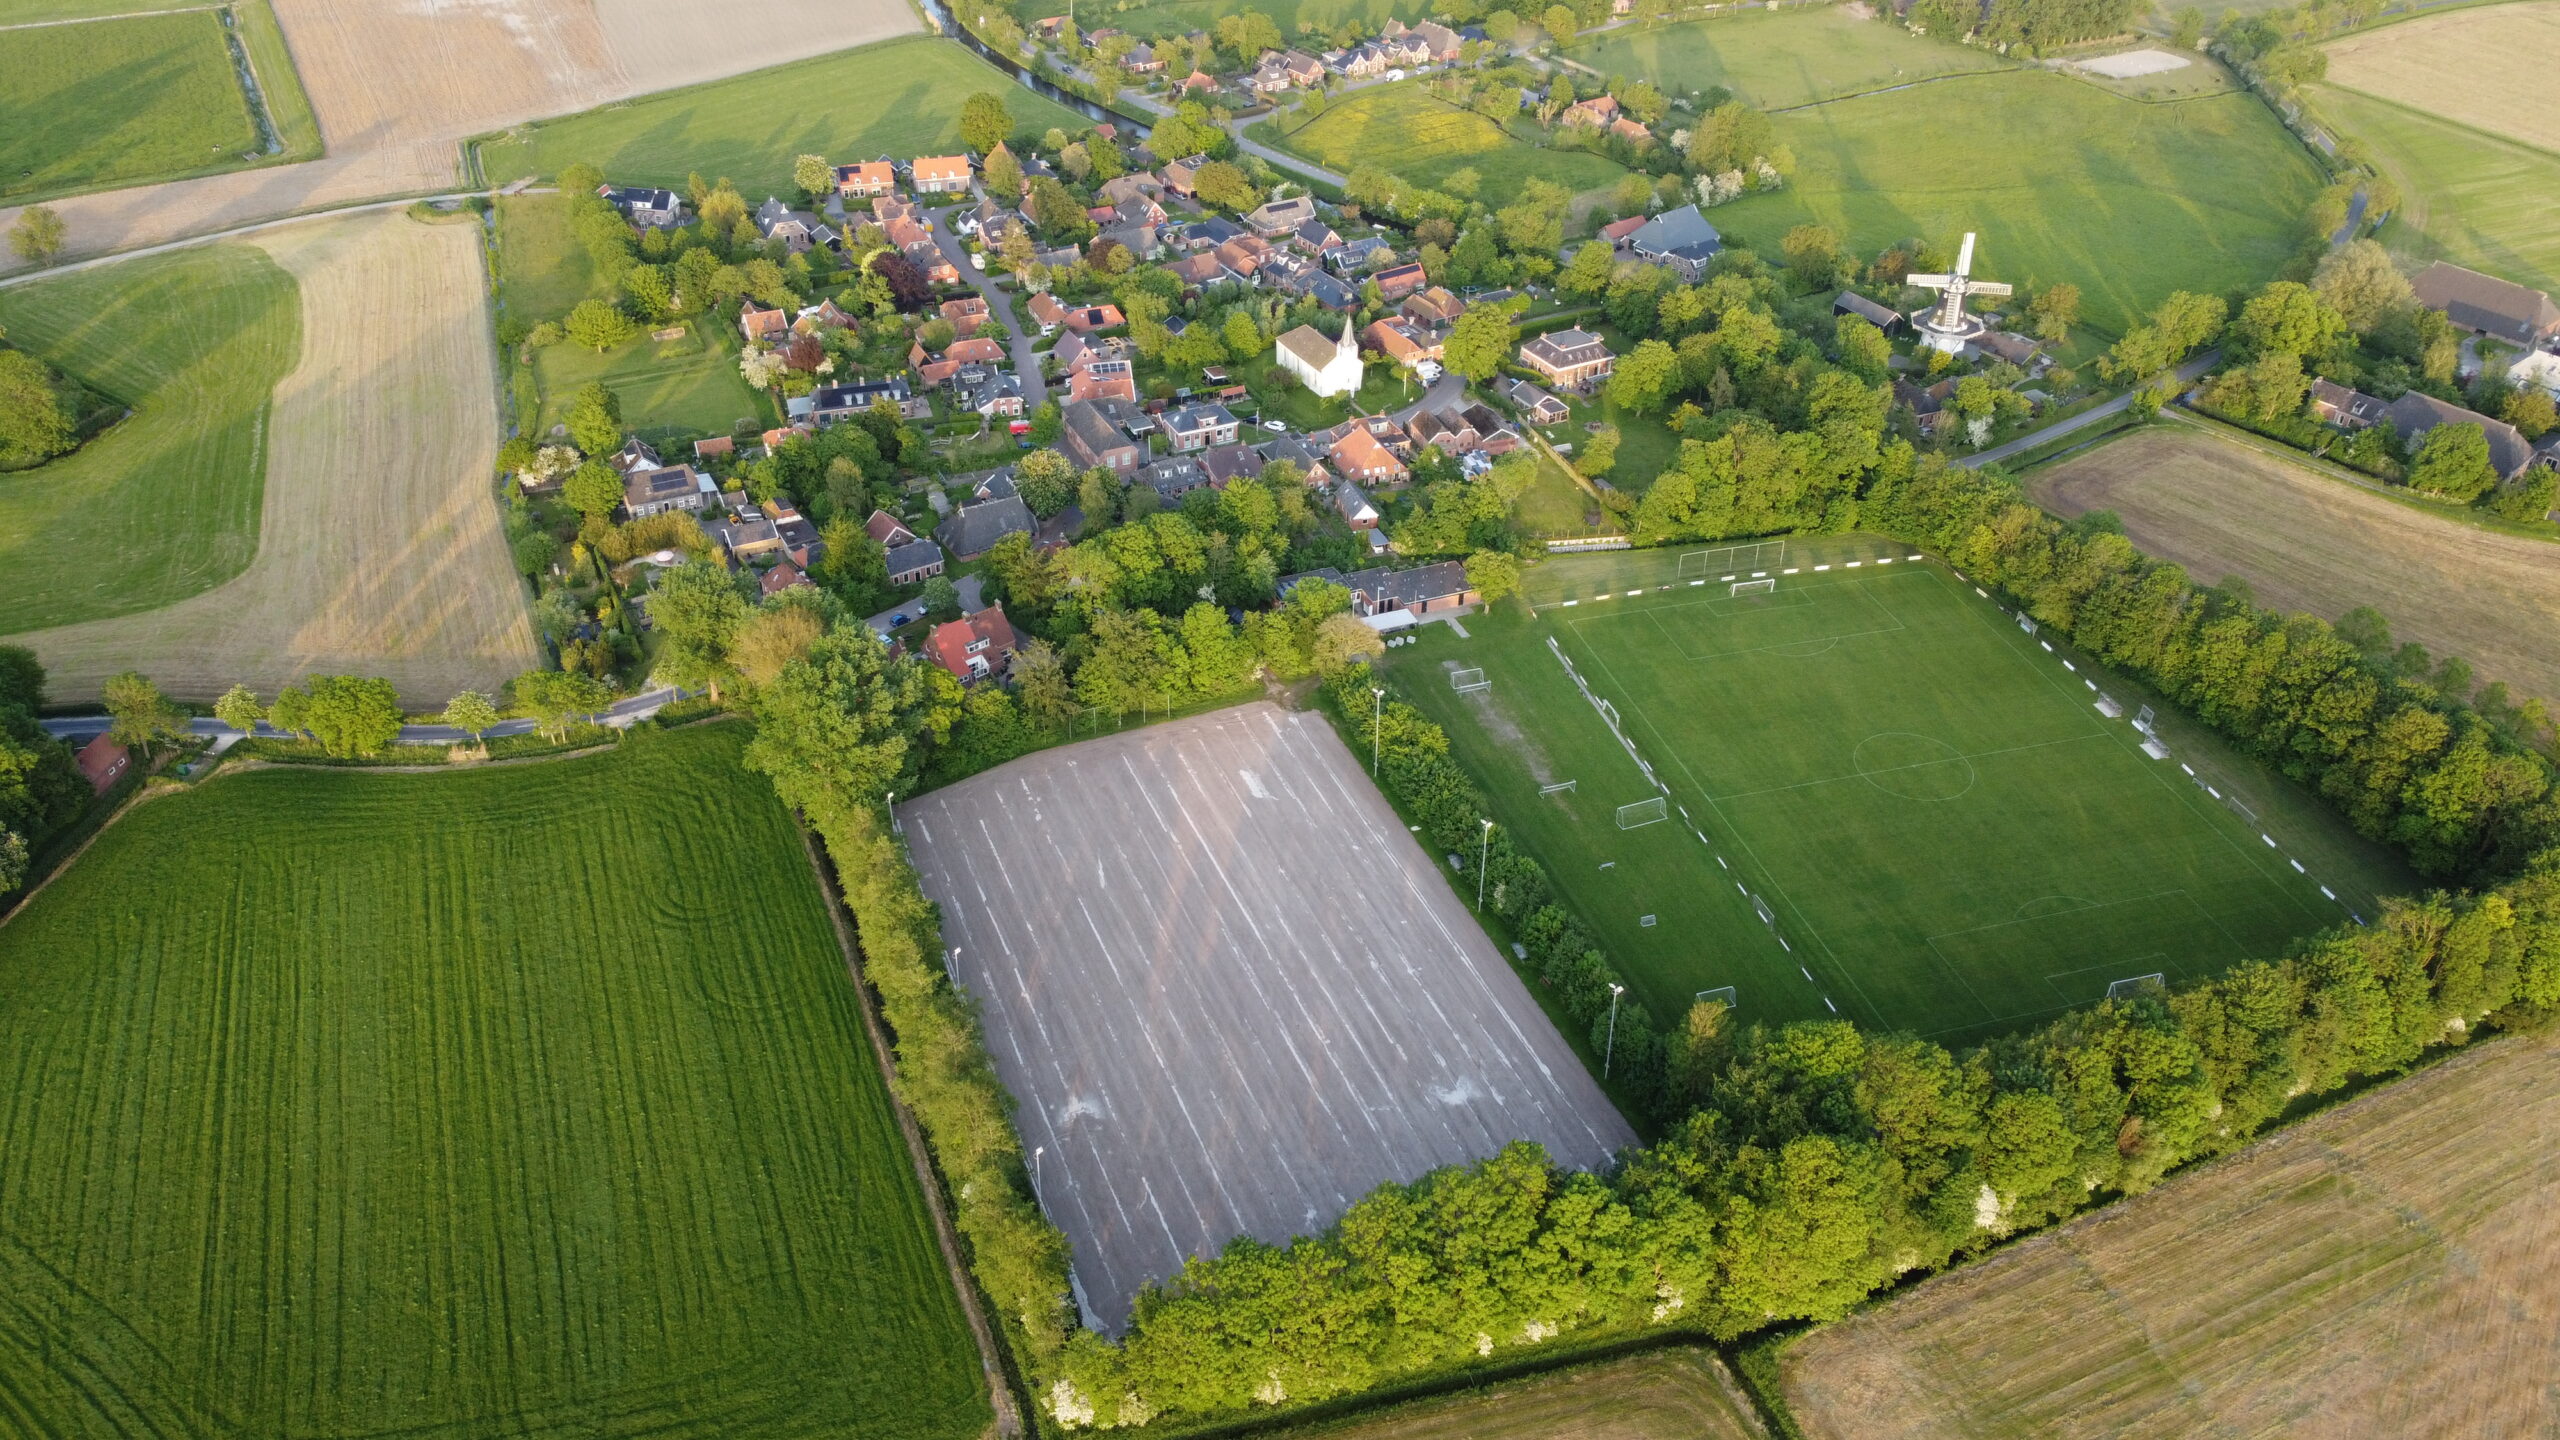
x=1482 y=850
x=1611 y=1052
x=1377 y=711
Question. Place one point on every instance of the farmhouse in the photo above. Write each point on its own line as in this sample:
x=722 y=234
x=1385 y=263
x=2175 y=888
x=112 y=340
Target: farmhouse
x=1091 y=436
x=914 y=561
x=675 y=487
x=1327 y=367
x=2335 y=404
x=1569 y=359
x=2416 y=413
x=646 y=209
x=974 y=647
x=102 y=760
x=973 y=530
x=2501 y=309
x=1679 y=239
x=940 y=174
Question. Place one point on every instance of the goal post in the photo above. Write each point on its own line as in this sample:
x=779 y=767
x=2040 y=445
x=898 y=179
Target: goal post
x=1753 y=587
x=1467 y=682
x=1725 y=559
x=1724 y=995
x=2152 y=984
x=1644 y=812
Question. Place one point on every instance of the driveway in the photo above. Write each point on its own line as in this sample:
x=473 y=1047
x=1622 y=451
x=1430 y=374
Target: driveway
x=621 y=714
x=1026 y=363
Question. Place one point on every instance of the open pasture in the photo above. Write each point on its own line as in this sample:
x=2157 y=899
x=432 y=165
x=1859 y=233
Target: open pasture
x=165 y=504
x=1672 y=1394
x=1228 y=991
x=115 y=102
x=378 y=548
x=526 y=1101
x=2063 y=181
x=2389 y=1269
x=666 y=387
x=900 y=99
x=1945 y=832
x=2487 y=67
x=1406 y=131
x=1777 y=60
x=2465 y=196
x=2205 y=501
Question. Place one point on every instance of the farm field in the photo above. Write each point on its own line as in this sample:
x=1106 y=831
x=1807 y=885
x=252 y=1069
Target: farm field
x=2383 y=1270
x=2485 y=68
x=2466 y=197
x=1269 y=1008
x=901 y=98
x=1677 y=1394
x=1775 y=61
x=665 y=387
x=435 y=1121
x=115 y=102
x=2204 y=501
x=1405 y=130
x=2062 y=180
x=378 y=547
x=165 y=504
x=1949 y=836
x=1174 y=17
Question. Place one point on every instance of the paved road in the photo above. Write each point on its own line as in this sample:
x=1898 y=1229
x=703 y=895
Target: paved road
x=2187 y=374
x=1026 y=363
x=620 y=715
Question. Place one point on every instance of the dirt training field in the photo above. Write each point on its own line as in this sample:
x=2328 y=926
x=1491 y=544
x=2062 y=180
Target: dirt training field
x=1229 y=991
x=2308 y=542
x=1664 y=1395
x=398 y=84
x=2488 y=67
x=379 y=549
x=2390 y=1269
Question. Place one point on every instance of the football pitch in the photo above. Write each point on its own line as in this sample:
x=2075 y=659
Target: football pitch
x=1882 y=798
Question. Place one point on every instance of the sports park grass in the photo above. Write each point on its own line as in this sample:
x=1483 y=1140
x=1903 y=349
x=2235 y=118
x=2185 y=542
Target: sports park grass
x=109 y=102
x=1671 y=1394
x=1406 y=131
x=2466 y=196
x=529 y=1101
x=901 y=98
x=2063 y=181
x=166 y=503
x=1774 y=61
x=1950 y=838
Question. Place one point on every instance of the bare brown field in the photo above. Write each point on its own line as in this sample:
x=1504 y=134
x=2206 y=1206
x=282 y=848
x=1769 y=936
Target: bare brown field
x=1664 y=1395
x=2488 y=68
x=2307 y=542
x=380 y=551
x=2389 y=1269
x=399 y=84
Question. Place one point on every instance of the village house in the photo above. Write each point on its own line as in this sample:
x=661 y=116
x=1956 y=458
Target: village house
x=1929 y=405
x=1179 y=174
x=913 y=561
x=673 y=487
x=797 y=229
x=1574 y=360
x=1354 y=506
x=763 y=327
x=988 y=391
x=646 y=209
x=1276 y=218
x=1357 y=257
x=1226 y=464
x=934 y=369
x=2536 y=370
x=1091 y=435
x=886 y=529
x=1197 y=427
x=2335 y=404
x=866 y=179
x=973 y=648
x=1294 y=450
x=716 y=446
x=1433 y=306
x=965 y=316
x=1100 y=371
x=103 y=762
x=829 y=404
x=2487 y=305
x=1244 y=255
x=973 y=530
x=784 y=576
x=1363 y=457
x=1533 y=405
x=1313 y=237
x=1198 y=272
x=1681 y=240
x=940 y=174
x=1400 y=282
x=1595 y=112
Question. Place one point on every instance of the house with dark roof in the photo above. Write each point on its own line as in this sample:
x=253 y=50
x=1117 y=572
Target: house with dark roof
x=673 y=487
x=1353 y=258
x=1173 y=477
x=974 y=647
x=1090 y=435
x=915 y=561
x=1354 y=506
x=1535 y=406
x=1399 y=282
x=1569 y=359
x=2335 y=404
x=887 y=529
x=1279 y=217
x=784 y=576
x=829 y=404
x=2416 y=413
x=1883 y=317
x=1295 y=450
x=645 y=208
x=797 y=229
x=1226 y=464
x=1424 y=590
x=1680 y=239
x=1197 y=427
x=2500 y=309
x=973 y=530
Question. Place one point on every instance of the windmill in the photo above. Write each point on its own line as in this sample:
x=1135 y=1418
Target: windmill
x=1945 y=326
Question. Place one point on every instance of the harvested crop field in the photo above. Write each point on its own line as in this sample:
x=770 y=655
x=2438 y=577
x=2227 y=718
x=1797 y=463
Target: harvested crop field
x=379 y=549
x=1681 y=1394
x=1229 y=991
x=2305 y=541
x=2466 y=197
x=530 y=1101
x=2389 y=1269
x=2488 y=67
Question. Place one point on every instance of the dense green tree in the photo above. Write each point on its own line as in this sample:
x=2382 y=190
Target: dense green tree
x=2453 y=461
x=697 y=610
x=36 y=416
x=984 y=122
x=595 y=420
x=143 y=716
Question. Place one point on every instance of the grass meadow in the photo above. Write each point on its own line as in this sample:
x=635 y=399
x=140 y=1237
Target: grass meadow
x=1407 y=131
x=166 y=503
x=2062 y=180
x=901 y=97
x=542 y=269
x=1176 y=17
x=1681 y=1393
x=113 y=102
x=1950 y=838
x=2466 y=196
x=665 y=387
x=1778 y=60
x=530 y=1100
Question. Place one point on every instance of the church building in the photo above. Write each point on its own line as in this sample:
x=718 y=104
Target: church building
x=1328 y=367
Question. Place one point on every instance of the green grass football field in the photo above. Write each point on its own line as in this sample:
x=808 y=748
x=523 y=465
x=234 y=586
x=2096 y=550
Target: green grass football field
x=1781 y=59
x=528 y=1101
x=1948 y=837
x=901 y=97
x=1405 y=130
x=2469 y=197
x=114 y=102
x=164 y=504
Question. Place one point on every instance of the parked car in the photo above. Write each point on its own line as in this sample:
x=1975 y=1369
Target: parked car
x=1276 y=427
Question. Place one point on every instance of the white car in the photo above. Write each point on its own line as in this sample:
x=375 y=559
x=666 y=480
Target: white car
x=1276 y=427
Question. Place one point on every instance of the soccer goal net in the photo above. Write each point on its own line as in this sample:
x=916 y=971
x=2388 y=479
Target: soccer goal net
x=2126 y=989
x=1754 y=587
x=1724 y=995
x=1468 y=681
x=1728 y=559
x=1644 y=812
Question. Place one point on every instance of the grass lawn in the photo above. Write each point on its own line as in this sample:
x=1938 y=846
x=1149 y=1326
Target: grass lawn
x=112 y=102
x=2466 y=196
x=1949 y=837
x=1792 y=57
x=542 y=269
x=1405 y=130
x=528 y=1100
x=1303 y=409
x=1554 y=506
x=1646 y=446
x=901 y=97
x=690 y=384
x=165 y=504
x=2063 y=181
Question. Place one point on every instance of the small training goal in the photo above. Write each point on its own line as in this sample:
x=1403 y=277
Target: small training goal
x=1754 y=587
x=1467 y=682
x=1709 y=564
x=1724 y=995
x=2126 y=989
x=1644 y=812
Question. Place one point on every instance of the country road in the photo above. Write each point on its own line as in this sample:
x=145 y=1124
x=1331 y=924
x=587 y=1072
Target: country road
x=621 y=714
x=2186 y=373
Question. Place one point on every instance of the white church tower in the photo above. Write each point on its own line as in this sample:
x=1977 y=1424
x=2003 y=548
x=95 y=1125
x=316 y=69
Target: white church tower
x=1328 y=367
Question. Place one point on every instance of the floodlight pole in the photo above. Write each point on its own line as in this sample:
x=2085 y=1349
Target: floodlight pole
x=1036 y=1152
x=1611 y=1053
x=1377 y=710
x=1482 y=850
